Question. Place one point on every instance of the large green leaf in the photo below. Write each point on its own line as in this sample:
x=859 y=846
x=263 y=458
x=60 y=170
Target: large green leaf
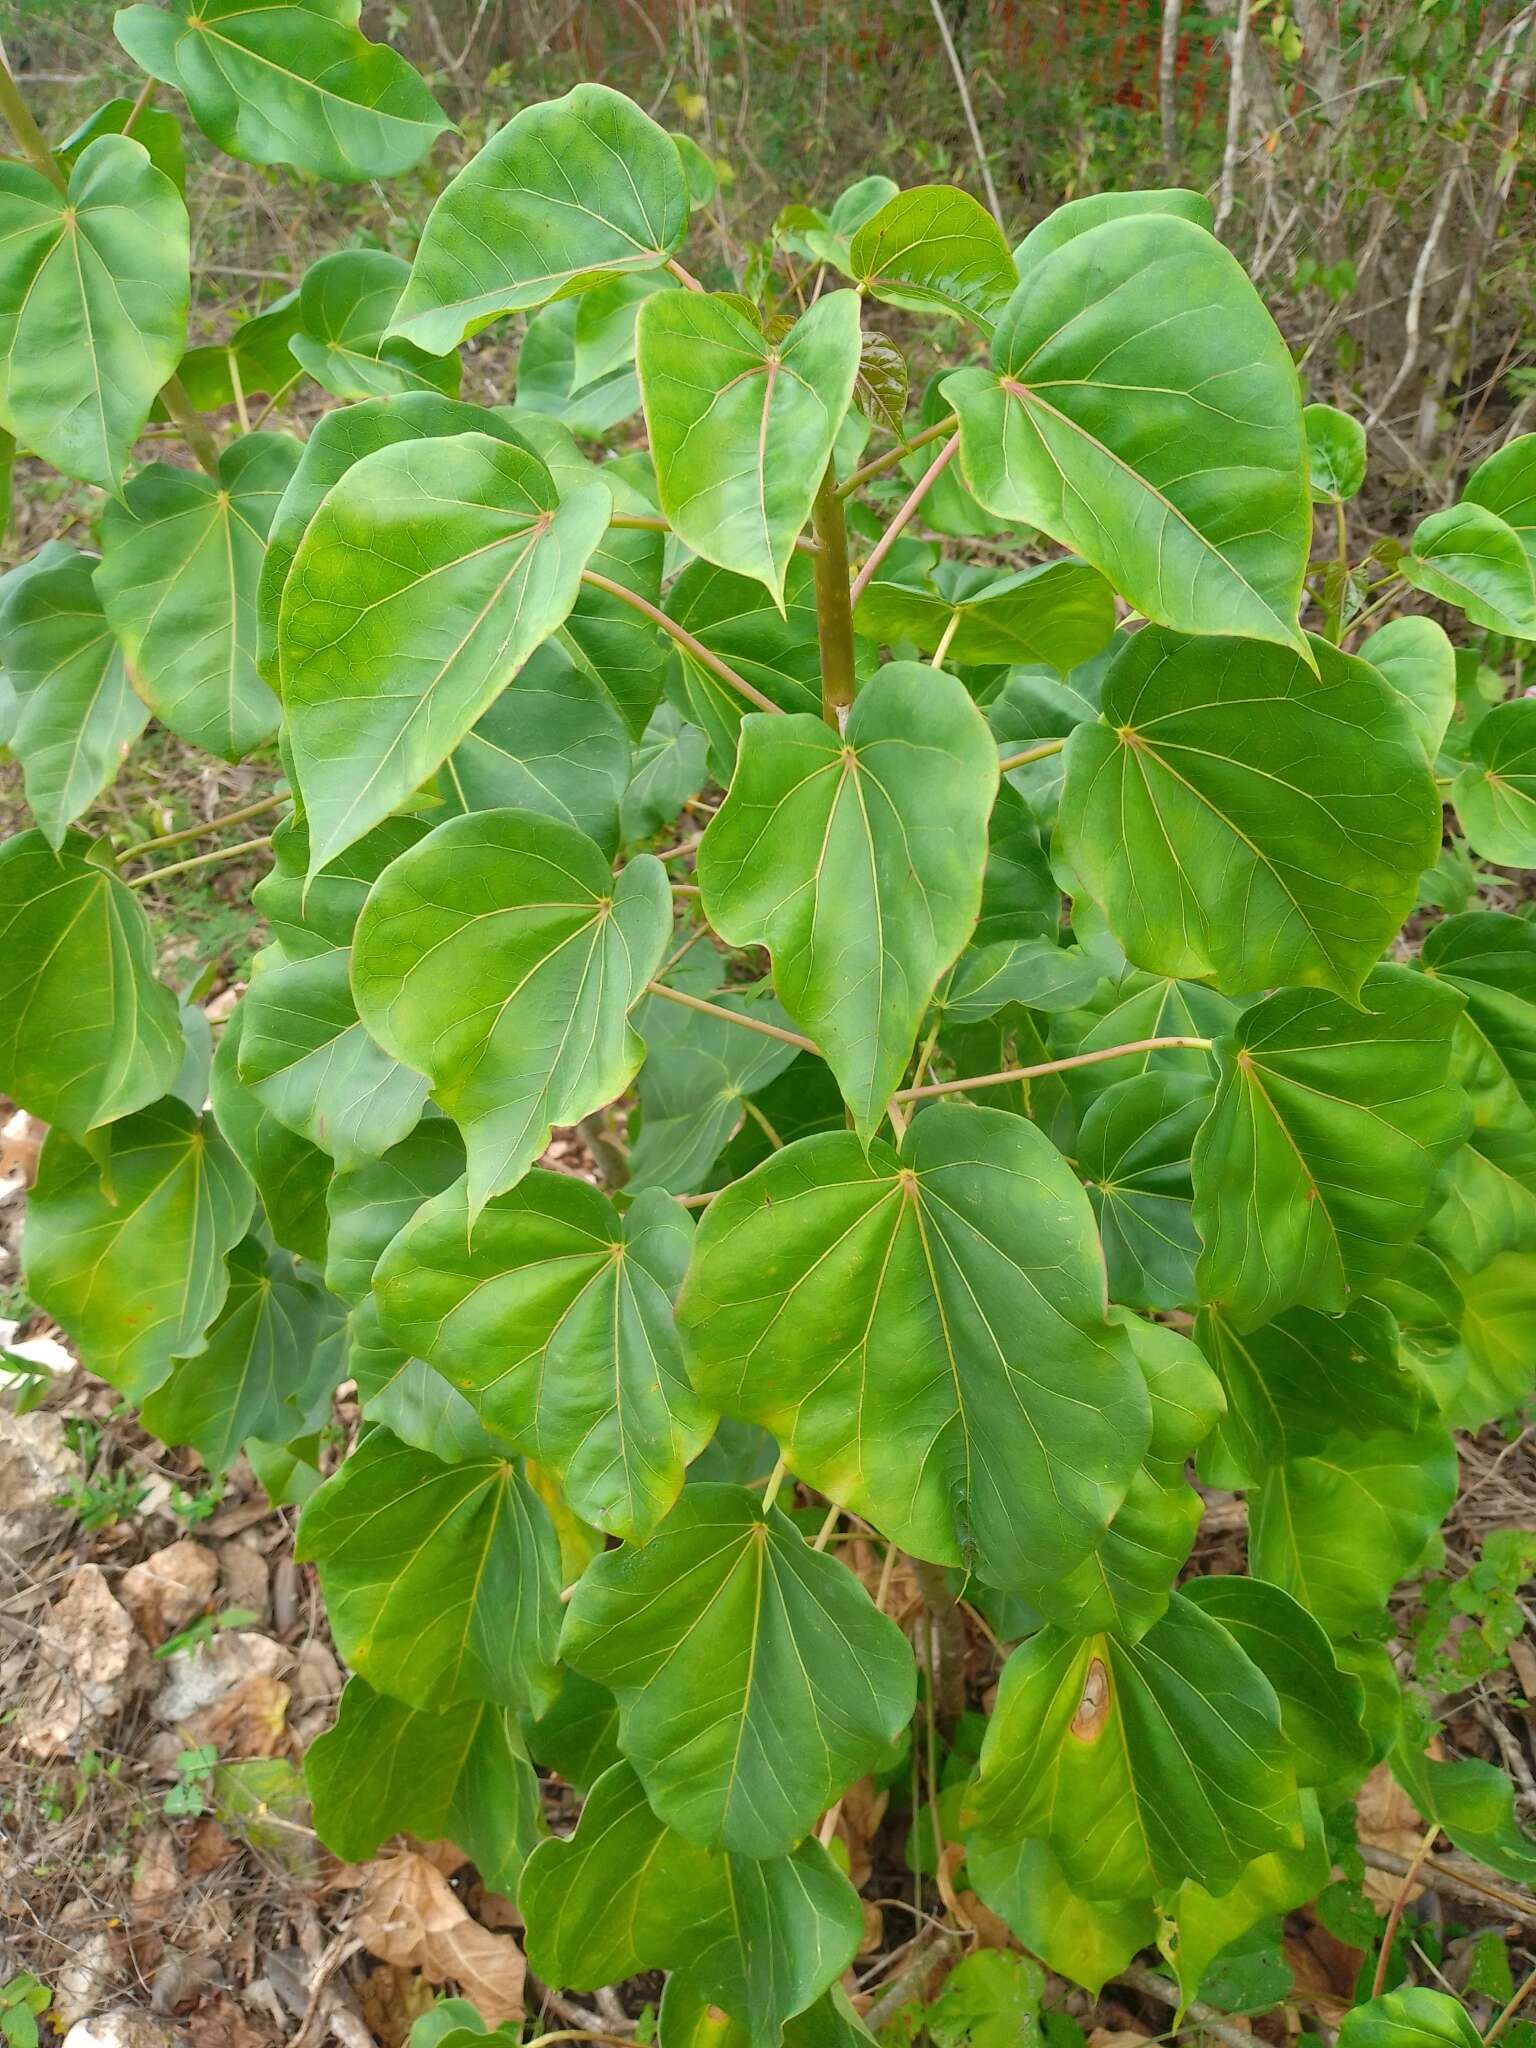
x=128 y=1255
x=1506 y=484
x=180 y=560
x=1412 y=2018
x=699 y=1071
x=820 y=853
x=775 y=650
x=1495 y=794
x=1300 y=1384
x=93 y=305
x=430 y=573
x=441 y=1581
x=288 y=82
x=1077 y=216
x=1088 y=1940
x=1499 y=1330
x=1320 y=1705
x=77 y=714
x=625 y=1893
x=1142 y=409
x=342 y=437
x=1418 y=663
x=346 y=303
x=373 y=1203
x=1338 y=1532
x=567 y=194
x=460 y=1773
x=307 y=917
x=1141 y=1765
x=1468 y=556
x=291 y=1175
x=1133 y=1151
x=554 y=742
x=754 y=1677
x=158 y=131
x=1124 y=1584
x=501 y=958
x=87 y=1034
x=1059 y=613
x=1315 y=1168
x=1491 y=958
x=255 y=1374
x=308 y=1057
x=742 y=428
x=554 y=1316
x=935 y=250
x=1244 y=821
x=932 y=1350
x=1204 y=1927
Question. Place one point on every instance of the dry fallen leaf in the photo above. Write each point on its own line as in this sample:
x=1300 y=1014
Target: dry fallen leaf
x=392 y=2001
x=1387 y=1818
x=1326 y=1971
x=170 y=1589
x=247 y=1722
x=409 y=1915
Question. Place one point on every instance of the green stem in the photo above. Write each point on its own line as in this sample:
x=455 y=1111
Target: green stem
x=1041 y=753
x=685 y=639
x=34 y=145
x=195 y=430
x=145 y=95
x=201 y=860
x=758 y=1024
x=900 y=453
x=750 y=1108
x=834 y=602
x=914 y=498
x=1077 y=1059
x=267 y=803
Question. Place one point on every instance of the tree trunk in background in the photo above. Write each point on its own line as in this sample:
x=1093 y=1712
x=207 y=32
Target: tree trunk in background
x=1167 y=87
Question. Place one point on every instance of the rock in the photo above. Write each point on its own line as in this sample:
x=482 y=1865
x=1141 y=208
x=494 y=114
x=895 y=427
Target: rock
x=202 y=1676
x=36 y=1466
x=123 y=2028
x=170 y=1589
x=90 y=1661
x=243 y=1573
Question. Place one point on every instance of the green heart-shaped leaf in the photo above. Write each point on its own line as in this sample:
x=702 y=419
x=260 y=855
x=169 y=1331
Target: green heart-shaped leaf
x=1505 y=484
x=431 y=572
x=372 y=1204
x=554 y=1317
x=565 y=195
x=742 y=428
x=1058 y=613
x=1299 y=1384
x=935 y=250
x=87 y=1034
x=93 y=305
x=1142 y=409
x=1244 y=821
x=1470 y=557
x=932 y=1370
x=1495 y=794
x=1133 y=1151
x=1314 y=1170
x=818 y=854
x=346 y=303
x=308 y=1057
x=1141 y=1764
x=77 y=714
x=1335 y=453
x=1338 y=1533
x=441 y=1581
x=461 y=1774
x=288 y=82
x=127 y=1254
x=754 y=1676
x=501 y=958
x=760 y=1939
x=181 y=556
x=254 y=1374
x=1418 y=663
